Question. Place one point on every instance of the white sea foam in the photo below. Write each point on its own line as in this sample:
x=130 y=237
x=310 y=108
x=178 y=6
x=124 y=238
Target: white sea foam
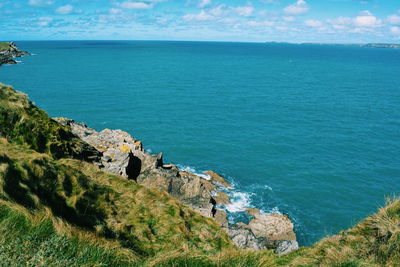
x=268 y=187
x=240 y=201
x=273 y=210
x=194 y=171
x=33 y=54
x=18 y=61
x=186 y=168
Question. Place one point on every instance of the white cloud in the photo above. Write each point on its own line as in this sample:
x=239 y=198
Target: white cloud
x=395 y=30
x=265 y=23
x=289 y=19
x=64 y=10
x=220 y=13
x=393 y=19
x=162 y=20
x=204 y=3
x=244 y=11
x=272 y=2
x=44 y=21
x=135 y=5
x=202 y=16
x=313 y=23
x=340 y=23
x=40 y=2
x=114 y=11
x=217 y=11
x=366 y=19
x=297 y=8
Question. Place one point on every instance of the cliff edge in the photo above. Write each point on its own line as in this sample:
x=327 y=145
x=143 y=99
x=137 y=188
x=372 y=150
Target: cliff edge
x=8 y=51
x=73 y=196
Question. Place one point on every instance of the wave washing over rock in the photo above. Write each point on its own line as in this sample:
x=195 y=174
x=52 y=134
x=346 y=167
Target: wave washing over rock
x=206 y=193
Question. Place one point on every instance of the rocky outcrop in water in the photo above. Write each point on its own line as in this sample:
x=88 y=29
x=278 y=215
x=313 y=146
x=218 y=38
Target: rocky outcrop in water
x=8 y=51
x=124 y=155
x=274 y=231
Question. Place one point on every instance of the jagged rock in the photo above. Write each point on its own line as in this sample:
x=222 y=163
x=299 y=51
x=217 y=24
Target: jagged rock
x=11 y=52
x=274 y=227
x=120 y=150
x=125 y=156
x=286 y=246
x=243 y=237
x=9 y=61
x=216 y=178
x=220 y=218
x=253 y=211
x=222 y=198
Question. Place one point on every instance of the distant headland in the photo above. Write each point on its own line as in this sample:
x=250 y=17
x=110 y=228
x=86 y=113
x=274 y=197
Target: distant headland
x=372 y=45
x=8 y=51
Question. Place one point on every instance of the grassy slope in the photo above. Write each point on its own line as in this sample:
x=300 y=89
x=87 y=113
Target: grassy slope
x=37 y=172
x=40 y=239
x=57 y=211
x=143 y=220
x=4 y=46
x=23 y=123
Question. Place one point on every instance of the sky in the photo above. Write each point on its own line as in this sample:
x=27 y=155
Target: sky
x=296 y=21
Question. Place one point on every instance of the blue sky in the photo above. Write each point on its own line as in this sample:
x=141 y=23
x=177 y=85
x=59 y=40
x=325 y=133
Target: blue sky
x=344 y=21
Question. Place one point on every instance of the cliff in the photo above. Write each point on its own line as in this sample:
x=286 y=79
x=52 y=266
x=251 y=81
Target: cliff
x=8 y=51
x=72 y=196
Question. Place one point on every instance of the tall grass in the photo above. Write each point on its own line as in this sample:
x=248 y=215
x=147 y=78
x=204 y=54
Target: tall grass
x=32 y=240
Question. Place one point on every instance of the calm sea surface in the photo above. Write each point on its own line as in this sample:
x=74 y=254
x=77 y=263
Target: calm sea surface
x=311 y=131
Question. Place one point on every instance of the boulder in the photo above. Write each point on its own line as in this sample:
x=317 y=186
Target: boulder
x=274 y=227
x=221 y=218
x=253 y=211
x=218 y=179
x=286 y=246
x=222 y=198
x=243 y=237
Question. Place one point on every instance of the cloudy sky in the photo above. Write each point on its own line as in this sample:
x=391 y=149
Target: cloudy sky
x=341 y=21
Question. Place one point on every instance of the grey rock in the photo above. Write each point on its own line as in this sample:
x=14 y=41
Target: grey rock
x=220 y=217
x=242 y=237
x=286 y=246
x=273 y=226
x=124 y=155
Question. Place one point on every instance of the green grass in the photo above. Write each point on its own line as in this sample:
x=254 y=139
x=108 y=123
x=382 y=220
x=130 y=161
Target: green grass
x=107 y=204
x=22 y=123
x=27 y=240
x=57 y=210
x=4 y=46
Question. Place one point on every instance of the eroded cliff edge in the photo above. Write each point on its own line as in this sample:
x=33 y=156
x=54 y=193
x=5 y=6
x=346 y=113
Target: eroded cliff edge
x=8 y=51
x=116 y=152
x=206 y=193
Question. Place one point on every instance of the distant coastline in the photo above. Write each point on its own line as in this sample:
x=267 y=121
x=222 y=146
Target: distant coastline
x=371 y=45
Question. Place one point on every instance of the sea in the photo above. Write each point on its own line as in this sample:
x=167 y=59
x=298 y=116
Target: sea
x=312 y=131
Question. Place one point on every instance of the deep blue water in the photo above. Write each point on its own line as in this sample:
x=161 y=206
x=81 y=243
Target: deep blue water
x=312 y=131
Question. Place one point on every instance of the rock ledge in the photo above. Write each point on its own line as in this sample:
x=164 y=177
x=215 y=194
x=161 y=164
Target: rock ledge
x=124 y=155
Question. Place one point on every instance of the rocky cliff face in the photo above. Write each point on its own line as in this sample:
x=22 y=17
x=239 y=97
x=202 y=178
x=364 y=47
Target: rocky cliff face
x=8 y=51
x=124 y=155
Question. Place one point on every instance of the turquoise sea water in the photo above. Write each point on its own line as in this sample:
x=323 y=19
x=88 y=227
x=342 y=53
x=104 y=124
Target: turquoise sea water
x=308 y=130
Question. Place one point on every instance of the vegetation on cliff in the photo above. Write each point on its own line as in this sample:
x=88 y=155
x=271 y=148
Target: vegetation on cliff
x=58 y=209
x=4 y=46
x=8 y=51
